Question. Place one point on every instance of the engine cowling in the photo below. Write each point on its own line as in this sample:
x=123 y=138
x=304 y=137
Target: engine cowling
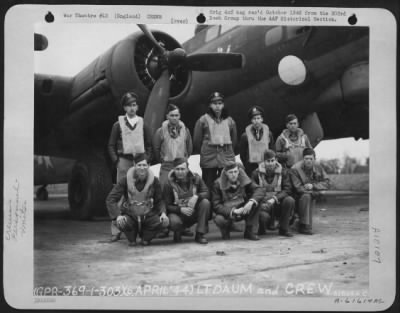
x=130 y=65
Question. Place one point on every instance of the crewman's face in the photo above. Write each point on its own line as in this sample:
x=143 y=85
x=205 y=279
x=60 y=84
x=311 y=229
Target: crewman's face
x=293 y=125
x=173 y=117
x=257 y=120
x=217 y=105
x=181 y=171
x=270 y=163
x=309 y=161
x=232 y=174
x=142 y=168
x=131 y=108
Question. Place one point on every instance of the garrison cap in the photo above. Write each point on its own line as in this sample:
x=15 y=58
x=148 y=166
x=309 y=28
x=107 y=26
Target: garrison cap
x=171 y=107
x=255 y=110
x=139 y=158
x=179 y=161
x=308 y=151
x=230 y=166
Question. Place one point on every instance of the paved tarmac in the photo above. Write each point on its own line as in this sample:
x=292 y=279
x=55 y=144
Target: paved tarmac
x=333 y=261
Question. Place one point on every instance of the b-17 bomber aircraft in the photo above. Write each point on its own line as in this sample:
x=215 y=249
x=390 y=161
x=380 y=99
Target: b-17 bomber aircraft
x=318 y=73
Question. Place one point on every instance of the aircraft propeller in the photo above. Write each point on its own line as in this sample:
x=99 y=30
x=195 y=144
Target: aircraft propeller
x=169 y=60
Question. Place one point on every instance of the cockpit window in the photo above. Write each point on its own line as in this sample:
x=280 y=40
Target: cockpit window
x=212 y=33
x=294 y=31
x=273 y=35
x=225 y=28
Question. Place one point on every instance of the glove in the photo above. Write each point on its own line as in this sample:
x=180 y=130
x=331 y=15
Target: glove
x=247 y=208
x=192 y=201
x=121 y=222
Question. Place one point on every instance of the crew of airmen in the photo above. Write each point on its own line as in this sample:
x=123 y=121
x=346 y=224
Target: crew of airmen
x=275 y=183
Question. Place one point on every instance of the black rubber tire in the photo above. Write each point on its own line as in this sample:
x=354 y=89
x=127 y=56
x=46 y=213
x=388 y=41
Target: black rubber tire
x=42 y=194
x=88 y=187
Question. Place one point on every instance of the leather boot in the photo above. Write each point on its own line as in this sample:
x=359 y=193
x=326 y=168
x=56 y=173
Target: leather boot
x=225 y=233
x=248 y=234
x=200 y=238
x=305 y=229
x=177 y=236
x=285 y=232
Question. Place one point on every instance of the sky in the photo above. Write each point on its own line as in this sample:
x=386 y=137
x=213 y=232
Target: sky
x=73 y=46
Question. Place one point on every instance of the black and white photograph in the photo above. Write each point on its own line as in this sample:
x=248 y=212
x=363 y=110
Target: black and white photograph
x=201 y=161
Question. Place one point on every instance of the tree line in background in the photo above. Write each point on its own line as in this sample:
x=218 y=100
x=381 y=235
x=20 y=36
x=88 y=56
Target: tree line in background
x=347 y=165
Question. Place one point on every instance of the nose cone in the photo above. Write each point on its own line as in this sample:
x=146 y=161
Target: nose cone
x=176 y=57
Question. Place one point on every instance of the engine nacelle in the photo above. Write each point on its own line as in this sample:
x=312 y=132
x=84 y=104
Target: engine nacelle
x=130 y=65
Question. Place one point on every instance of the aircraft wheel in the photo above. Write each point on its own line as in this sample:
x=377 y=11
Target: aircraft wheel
x=88 y=187
x=42 y=194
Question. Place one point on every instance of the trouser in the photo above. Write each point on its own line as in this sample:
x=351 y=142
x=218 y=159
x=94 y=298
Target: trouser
x=179 y=222
x=251 y=220
x=250 y=167
x=284 y=211
x=122 y=168
x=165 y=168
x=150 y=226
x=305 y=206
x=209 y=175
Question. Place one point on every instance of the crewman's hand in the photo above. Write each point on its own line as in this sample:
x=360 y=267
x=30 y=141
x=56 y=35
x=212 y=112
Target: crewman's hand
x=271 y=201
x=238 y=211
x=192 y=201
x=308 y=186
x=164 y=220
x=247 y=208
x=121 y=222
x=187 y=211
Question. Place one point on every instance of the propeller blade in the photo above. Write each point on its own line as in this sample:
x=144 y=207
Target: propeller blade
x=149 y=35
x=157 y=102
x=208 y=62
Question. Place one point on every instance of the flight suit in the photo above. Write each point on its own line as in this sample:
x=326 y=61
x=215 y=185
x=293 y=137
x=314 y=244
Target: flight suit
x=299 y=176
x=253 y=144
x=226 y=197
x=142 y=205
x=276 y=185
x=178 y=194
x=215 y=139
x=289 y=147
x=170 y=143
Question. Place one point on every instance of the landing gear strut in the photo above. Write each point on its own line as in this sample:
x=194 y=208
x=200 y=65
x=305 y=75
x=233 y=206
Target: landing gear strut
x=89 y=184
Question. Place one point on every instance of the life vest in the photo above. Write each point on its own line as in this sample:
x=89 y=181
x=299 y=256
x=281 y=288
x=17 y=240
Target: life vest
x=132 y=139
x=181 y=197
x=295 y=148
x=275 y=186
x=257 y=147
x=140 y=203
x=172 y=148
x=219 y=132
